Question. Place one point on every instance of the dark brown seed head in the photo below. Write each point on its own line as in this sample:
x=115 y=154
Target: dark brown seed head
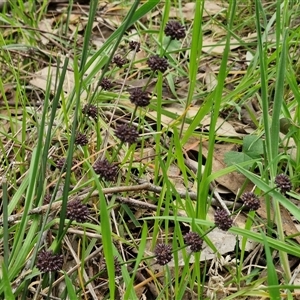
x=135 y=46
x=283 y=182
x=157 y=63
x=119 y=61
x=106 y=84
x=251 y=201
x=81 y=139
x=47 y=199
x=175 y=30
x=163 y=254
x=47 y=261
x=127 y=133
x=193 y=240
x=139 y=97
x=105 y=169
x=76 y=211
x=222 y=219
x=61 y=164
x=91 y=111
x=118 y=268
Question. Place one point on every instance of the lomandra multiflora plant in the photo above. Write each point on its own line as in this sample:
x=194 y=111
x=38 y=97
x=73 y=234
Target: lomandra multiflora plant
x=222 y=219
x=251 y=201
x=283 y=182
x=108 y=168
x=139 y=96
x=47 y=261
x=77 y=211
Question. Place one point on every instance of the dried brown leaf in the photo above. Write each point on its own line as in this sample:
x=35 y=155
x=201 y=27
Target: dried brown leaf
x=217 y=47
x=188 y=10
x=223 y=127
x=210 y=79
x=232 y=181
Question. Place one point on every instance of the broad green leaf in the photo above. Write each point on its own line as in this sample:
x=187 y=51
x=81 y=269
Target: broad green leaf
x=253 y=146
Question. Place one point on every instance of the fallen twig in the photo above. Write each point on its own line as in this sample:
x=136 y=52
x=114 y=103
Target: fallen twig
x=143 y=186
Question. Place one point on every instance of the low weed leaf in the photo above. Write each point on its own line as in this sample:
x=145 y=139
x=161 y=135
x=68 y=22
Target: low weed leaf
x=253 y=146
x=233 y=157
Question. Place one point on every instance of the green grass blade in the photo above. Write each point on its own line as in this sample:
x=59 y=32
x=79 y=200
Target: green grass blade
x=272 y=275
x=8 y=293
x=263 y=80
x=278 y=99
x=70 y=287
x=5 y=223
x=196 y=50
x=217 y=97
x=130 y=293
x=88 y=32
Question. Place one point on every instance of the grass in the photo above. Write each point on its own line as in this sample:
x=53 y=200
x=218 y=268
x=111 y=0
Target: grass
x=149 y=193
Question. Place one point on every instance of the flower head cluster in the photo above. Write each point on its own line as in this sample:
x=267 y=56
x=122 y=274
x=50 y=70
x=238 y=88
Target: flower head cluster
x=76 y=211
x=105 y=169
x=193 y=240
x=81 y=139
x=251 y=201
x=91 y=111
x=47 y=261
x=61 y=164
x=283 y=182
x=127 y=133
x=174 y=30
x=119 y=61
x=106 y=84
x=157 y=63
x=163 y=254
x=135 y=46
x=139 y=97
x=222 y=219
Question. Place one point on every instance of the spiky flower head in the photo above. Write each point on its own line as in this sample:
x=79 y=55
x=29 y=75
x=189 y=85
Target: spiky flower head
x=106 y=84
x=222 y=219
x=81 y=139
x=127 y=133
x=175 y=30
x=47 y=261
x=251 y=201
x=139 y=97
x=105 y=169
x=91 y=111
x=135 y=46
x=193 y=240
x=163 y=254
x=119 y=61
x=157 y=63
x=62 y=165
x=77 y=211
x=283 y=182
x=118 y=268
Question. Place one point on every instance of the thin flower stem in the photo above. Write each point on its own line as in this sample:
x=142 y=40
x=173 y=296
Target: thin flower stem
x=117 y=151
x=133 y=115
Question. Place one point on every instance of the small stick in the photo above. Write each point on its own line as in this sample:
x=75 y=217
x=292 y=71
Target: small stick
x=114 y=190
